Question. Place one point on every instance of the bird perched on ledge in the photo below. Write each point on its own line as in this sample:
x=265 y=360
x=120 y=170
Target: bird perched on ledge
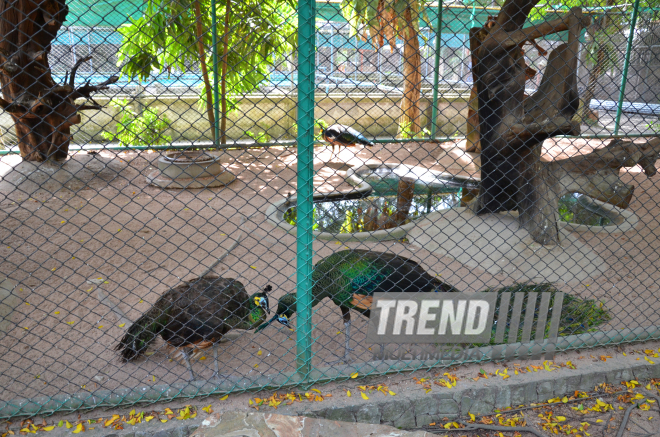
x=340 y=135
x=194 y=316
x=351 y=277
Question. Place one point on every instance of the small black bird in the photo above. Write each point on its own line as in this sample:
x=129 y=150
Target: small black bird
x=340 y=135
x=195 y=316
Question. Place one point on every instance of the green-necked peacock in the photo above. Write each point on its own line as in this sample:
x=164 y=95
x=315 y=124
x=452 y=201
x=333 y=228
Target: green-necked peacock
x=351 y=277
x=194 y=316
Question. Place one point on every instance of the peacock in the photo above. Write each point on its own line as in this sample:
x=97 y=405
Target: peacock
x=340 y=135
x=194 y=316
x=351 y=277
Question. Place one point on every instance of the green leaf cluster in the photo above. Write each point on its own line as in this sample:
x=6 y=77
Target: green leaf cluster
x=260 y=34
x=363 y=17
x=133 y=129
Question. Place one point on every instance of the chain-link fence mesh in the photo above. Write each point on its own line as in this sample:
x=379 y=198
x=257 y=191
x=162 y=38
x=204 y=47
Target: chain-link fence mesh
x=299 y=157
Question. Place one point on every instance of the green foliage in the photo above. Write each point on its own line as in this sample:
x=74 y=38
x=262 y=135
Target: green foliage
x=260 y=137
x=293 y=130
x=291 y=217
x=261 y=33
x=133 y=129
x=405 y=130
x=363 y=16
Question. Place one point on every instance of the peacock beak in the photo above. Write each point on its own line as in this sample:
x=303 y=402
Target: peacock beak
x=264 y=304
x=283 y=319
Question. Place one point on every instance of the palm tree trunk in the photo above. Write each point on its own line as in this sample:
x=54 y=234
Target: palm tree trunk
x=205 y=73
x=412 y=77
x=223 y=79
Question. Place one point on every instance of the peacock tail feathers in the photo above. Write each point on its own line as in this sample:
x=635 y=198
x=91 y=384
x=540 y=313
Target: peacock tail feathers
x=142 y=333
x=577 y=315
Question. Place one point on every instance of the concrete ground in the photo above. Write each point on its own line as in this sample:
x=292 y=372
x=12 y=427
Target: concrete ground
x=63 y=229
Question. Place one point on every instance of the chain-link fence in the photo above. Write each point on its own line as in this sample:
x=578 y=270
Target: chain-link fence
x=203 y=197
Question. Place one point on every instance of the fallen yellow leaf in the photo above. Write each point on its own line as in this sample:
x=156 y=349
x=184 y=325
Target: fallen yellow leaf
x=364 y=396
x=259 y=353
x=163 y=420
x=392 y=393
x=48 y=428
x=122 y=325
x=316 y=390
x=208 y=409
x=79 y=428
x=148 y=418
x=354 y=375
x=68 y=425
x=348 y=393
x=224 y=398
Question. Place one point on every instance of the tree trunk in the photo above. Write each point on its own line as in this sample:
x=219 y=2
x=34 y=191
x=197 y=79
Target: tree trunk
x=412 y=77
x=223 y=91
x=205 y=74
x=472 y=139
x=512 y=127
x=43 y=111
x=404 y=198
x=597 y=69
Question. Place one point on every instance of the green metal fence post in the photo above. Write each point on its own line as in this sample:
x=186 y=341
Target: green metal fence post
x=306 y=86
x=626 y=64
x=214 y=51
x=436 y=73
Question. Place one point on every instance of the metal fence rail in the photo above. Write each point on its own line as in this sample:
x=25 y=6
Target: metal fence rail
x=215 y=225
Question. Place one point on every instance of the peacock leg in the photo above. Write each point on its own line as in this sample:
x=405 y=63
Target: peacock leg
x=347 y=335
x=216 y=373
x=186 y=358
x=215 y=357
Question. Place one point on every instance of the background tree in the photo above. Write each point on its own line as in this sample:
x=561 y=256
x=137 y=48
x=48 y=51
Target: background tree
x=43 y=111
x=385 y=20
x=602 y=53
x=253 y=35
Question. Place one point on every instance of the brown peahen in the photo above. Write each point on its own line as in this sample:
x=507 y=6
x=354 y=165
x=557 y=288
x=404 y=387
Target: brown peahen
x=194 y=316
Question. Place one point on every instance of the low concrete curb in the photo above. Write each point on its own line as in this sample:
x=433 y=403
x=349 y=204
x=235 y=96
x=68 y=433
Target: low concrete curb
x=254 y=424
x=481 y=397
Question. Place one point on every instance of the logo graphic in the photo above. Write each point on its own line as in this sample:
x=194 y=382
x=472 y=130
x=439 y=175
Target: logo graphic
x=450 y=318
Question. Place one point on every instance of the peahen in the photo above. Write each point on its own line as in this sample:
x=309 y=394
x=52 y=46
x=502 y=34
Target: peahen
x=194 y=316
x=340 y=135
x=350 y=277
